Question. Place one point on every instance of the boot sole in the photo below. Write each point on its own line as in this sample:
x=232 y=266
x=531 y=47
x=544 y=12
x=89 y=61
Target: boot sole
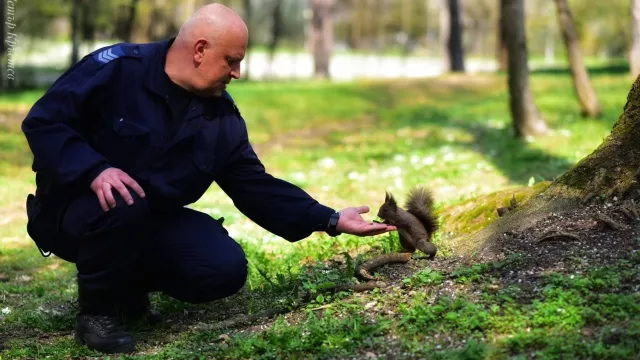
x=122 y=348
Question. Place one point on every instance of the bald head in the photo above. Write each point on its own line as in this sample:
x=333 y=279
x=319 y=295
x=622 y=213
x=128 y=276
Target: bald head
x=207 y=51
x=212 y=21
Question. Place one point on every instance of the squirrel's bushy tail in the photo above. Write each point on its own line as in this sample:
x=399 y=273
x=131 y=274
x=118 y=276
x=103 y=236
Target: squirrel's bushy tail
x=420 y=204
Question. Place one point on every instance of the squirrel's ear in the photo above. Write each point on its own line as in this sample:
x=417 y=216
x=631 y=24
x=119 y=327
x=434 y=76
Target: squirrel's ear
x=386 y=196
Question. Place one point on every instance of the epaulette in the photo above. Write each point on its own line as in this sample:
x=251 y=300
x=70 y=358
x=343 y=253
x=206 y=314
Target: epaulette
x=106 y=55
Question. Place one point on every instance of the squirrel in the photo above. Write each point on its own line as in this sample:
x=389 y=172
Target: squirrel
x=417 y=224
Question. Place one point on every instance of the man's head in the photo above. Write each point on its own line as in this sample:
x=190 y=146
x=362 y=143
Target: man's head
x=207 y=51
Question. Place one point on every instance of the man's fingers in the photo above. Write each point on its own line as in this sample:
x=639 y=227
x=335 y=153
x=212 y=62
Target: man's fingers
x=362 y=209
x=127 y=180
x=124 y=192
x=102 y=201
x=108 y=196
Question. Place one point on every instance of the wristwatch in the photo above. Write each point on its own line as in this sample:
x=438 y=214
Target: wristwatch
x=333 y=224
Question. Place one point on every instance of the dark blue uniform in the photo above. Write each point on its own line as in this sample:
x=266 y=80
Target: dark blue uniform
x=117 y=108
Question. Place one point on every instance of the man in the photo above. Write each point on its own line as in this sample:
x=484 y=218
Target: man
x=128 y=137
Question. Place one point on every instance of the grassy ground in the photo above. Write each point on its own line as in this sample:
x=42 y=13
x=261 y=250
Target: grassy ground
x=346 y=144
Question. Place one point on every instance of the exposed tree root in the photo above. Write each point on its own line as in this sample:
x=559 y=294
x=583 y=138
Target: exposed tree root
x=610 y=223
x=557 y=236
x=364 y=270
x=244 y=320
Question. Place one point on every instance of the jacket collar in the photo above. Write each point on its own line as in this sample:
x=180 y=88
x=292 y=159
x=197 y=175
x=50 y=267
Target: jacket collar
x=155 y=78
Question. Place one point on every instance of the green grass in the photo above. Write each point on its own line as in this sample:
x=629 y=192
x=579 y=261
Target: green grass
x=346 y=144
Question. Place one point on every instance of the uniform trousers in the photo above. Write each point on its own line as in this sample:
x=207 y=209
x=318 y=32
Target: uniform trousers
x=134 y=249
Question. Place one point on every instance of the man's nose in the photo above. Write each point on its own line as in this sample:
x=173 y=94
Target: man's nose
x=235 y=72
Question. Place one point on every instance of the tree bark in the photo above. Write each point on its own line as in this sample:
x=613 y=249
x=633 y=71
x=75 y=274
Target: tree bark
x=611 y=170
x=502 y=55
x=455 y=38
x=445 y=34
x=248 y=12
x=634 y=54
x=582 y=86
x=526 y=117
x=322 y=36
x=75 y=33
x=276 y=32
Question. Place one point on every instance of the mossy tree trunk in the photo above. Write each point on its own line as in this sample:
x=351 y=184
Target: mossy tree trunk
x=610 y=170
x=527 y=119
x=581 y=83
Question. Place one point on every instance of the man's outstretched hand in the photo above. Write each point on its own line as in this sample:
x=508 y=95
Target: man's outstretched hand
x=351 y=222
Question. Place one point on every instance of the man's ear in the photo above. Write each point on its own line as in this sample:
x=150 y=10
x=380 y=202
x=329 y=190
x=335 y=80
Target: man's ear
x=199 y=49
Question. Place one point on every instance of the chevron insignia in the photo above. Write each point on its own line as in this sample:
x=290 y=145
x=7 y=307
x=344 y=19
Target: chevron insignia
x=109 y=54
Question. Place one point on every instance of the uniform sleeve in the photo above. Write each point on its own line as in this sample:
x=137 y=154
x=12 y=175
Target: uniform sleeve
x=58 y=149
x=276 y=205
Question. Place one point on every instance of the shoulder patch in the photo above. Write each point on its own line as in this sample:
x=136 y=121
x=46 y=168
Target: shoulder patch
x=108 y=55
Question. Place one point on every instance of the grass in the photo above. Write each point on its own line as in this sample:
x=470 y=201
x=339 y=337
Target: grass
x=346 y=144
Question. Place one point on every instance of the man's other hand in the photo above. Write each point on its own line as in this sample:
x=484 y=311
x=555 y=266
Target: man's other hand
x=351 y=222
x=113 y=178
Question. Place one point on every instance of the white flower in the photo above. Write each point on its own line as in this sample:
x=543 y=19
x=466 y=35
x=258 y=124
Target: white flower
x=327 y=162
x=6 y=311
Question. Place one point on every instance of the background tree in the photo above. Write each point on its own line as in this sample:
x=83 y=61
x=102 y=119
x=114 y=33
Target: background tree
x=451 y=36
x=321 y=36
x=277 y=29
x=634 y=58
x=524 y=112
x=581 y=83
x=75 y=31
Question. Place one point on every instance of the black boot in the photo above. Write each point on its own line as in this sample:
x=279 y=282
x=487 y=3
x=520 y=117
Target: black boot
x=103 y=333
x=135 y=311
x=98 y=326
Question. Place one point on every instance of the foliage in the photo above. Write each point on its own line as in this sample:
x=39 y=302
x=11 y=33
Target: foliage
x=347 y=144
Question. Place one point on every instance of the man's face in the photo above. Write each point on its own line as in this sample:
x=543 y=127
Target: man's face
x=219 y=63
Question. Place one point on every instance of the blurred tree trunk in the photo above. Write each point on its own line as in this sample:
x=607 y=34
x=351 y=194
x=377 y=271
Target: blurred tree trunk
x=126 y=19
x=248 y=13
x=581 y=83
x=75 y=33
x=88 y=14
x=277 y=28
x=356 y=24
x=634 y=60
x=524 y=112
x=451 y=36
x=445 y=31
x=502 y=55
x=322 y=36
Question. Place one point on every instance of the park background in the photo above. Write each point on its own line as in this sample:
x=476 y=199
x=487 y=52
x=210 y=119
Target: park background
x=349 y=99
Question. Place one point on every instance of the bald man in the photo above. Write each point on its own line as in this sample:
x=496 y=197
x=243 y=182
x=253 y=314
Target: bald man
x=122 y=143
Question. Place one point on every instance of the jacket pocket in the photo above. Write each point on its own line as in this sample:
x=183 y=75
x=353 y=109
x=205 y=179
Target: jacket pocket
x=205 y=149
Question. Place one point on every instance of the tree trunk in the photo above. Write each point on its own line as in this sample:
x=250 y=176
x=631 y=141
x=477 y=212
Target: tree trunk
x=276 y=32
x=455 y=38
x=611 y=170
x=75 y=34
x=502 y=55
x=247 y=8
x=582 y=85
x=445 y=32
x=634 y=54
x=525 y=114
x=322 y=36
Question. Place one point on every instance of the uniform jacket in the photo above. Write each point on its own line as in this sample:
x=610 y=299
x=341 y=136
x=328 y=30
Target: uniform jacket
x=109 y=110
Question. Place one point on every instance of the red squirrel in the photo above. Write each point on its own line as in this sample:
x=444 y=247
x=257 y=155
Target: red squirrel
x=417 y=224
